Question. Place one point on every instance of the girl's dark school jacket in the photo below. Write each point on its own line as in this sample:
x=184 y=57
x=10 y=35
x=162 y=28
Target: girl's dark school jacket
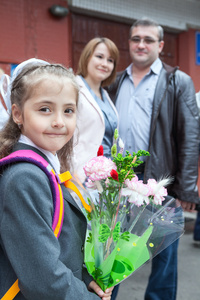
x=47 y=267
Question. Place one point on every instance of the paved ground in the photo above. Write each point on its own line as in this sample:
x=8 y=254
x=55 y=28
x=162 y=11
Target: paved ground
x=133 y=288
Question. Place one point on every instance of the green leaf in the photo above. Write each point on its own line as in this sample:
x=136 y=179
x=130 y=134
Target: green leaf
x=116 y=232
x=114 y=150
x=89 y=238
x=104 y=233
x=116 y=134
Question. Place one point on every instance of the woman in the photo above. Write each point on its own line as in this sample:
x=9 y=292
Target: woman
x=97 y=117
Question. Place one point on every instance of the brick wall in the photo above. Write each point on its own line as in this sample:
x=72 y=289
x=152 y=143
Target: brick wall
x=29 y=30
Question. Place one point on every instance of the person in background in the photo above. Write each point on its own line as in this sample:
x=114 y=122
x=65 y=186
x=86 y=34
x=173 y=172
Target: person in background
x=3 y=108
x=44 y=101
x=158 y=113
x=196 y=233
x=1 y=72
x=97 y=117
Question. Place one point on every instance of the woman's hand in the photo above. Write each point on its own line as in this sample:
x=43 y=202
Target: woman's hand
x=93 y=286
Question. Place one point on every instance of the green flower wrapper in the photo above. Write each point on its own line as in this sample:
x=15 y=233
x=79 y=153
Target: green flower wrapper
x=122 y=237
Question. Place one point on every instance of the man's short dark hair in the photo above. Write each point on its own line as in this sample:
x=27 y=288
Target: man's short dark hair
x=148 y=22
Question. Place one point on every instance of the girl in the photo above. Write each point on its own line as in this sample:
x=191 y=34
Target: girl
x=44 y=108
x=97 y=116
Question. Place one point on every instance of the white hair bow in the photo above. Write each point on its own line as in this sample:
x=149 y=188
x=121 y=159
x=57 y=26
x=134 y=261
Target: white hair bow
x=6 y=81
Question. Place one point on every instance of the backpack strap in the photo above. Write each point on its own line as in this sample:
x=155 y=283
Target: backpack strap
x=55 y=181
x=34 y=158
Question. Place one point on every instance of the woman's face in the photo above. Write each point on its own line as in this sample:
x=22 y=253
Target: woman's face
x=100 y=65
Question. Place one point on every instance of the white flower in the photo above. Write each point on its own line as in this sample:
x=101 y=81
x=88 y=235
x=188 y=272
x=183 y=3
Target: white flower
x=121 y=144
x=157 y=189
x=137 y=190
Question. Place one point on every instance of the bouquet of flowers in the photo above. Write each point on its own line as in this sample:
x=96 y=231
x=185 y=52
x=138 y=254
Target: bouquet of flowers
x=130 y=222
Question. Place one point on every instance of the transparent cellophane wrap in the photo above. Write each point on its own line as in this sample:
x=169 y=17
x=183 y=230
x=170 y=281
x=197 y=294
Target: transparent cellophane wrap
x=121 y=240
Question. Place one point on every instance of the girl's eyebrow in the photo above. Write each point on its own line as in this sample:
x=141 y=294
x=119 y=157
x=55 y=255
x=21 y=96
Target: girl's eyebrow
x=72 y=104
x=44 y=101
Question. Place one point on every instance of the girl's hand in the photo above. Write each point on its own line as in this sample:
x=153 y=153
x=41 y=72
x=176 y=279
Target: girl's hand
x=93 y=286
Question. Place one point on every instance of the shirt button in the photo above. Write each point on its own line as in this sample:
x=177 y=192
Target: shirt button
x=82 y=248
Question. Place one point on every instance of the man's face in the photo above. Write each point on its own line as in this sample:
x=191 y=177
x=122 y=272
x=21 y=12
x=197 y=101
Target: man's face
x=144 y=46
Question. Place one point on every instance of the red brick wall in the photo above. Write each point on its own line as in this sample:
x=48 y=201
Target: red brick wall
x=27 y=29
x=5 y=67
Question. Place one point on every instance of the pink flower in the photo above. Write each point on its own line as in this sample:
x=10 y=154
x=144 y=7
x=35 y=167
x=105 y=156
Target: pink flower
x=99 y=168
x=157 y=189
x=137 y=190
x=132 y=181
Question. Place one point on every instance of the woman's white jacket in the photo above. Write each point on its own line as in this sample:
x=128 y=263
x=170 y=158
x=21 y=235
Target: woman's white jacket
x=90 y=129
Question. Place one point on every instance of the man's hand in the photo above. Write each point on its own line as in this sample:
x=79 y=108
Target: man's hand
x=187 y=206
x=93 y=286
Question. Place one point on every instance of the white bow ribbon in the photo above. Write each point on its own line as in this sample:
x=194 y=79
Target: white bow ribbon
x=6 y=81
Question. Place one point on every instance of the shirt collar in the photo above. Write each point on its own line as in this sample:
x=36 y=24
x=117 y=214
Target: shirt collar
x=91 y=91
x=155 y=68
x=129 y=70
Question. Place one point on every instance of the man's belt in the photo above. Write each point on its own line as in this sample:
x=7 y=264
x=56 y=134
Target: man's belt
x=140 y=169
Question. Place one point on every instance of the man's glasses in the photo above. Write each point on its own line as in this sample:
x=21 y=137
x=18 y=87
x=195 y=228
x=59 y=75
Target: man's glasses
x=145 y=40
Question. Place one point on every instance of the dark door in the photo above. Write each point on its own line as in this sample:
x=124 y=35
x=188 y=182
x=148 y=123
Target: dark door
x=84 y=28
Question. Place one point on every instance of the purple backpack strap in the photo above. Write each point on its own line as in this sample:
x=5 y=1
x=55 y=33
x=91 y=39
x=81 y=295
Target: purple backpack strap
x=58 y=201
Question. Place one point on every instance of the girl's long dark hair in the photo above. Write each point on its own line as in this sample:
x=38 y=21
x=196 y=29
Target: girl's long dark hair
x=22 y=88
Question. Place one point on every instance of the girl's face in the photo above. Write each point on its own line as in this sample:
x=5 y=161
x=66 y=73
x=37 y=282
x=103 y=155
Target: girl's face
x=101 y=64
x=49 y=116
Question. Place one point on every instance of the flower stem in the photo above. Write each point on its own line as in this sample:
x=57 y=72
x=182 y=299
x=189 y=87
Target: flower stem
x=113 y=224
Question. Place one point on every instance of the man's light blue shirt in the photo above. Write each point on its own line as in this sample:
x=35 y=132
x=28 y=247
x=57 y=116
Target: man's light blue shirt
x=134 y=105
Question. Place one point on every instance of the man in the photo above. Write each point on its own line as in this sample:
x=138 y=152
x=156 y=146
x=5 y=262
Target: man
x=196 y=233
x=158 y=113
